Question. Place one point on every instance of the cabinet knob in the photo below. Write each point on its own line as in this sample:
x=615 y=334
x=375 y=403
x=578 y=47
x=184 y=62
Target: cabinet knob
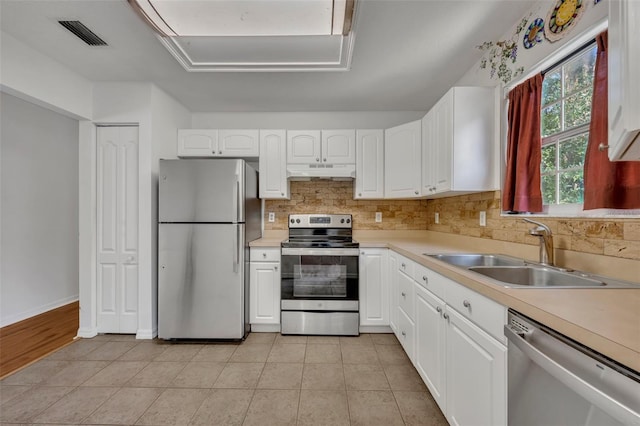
x=425 y=279
x=602 y=146
x=438 y=309
x=219 y=152
x=403 y=294
x=466 y=304
x=317 y=159
x=416 y=192
x=325 y=160
x=213 y=152
x=282 y=193
x=359 y=194
x=275 y=268
x=362 y=252
x=404 y=334
x=445 y=316
x=403 y=266
x=264 y=255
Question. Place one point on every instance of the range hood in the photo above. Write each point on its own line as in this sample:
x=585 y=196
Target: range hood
x=321 y=171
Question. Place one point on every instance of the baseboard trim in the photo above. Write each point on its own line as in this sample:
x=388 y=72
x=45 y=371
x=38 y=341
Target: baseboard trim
x=375 y=329
x=146 y=334
x=265 y=328
x=87 y=333
x=30 y=339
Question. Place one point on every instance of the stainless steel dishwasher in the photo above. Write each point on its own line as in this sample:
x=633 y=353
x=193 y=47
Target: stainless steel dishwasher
x=555 y=381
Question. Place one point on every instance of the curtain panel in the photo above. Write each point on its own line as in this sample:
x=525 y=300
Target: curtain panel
x=607 y=184
x=521 y=191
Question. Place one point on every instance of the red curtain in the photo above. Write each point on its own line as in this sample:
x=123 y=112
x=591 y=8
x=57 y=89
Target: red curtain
x=614 y=185
x=521 y=191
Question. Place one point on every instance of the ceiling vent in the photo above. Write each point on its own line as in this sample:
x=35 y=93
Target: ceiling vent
x=83 y=33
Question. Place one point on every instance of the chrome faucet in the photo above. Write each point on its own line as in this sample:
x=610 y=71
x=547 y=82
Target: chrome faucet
x=546 y=241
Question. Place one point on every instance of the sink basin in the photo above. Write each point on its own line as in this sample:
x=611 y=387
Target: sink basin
x=471 y=260
x=534 y=276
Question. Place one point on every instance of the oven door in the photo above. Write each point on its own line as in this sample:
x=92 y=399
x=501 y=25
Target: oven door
x=312 y=275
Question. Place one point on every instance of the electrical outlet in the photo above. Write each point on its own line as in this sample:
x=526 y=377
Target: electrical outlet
x=483 y=218
x=272 y=217
x=378 y=217
x=436 y=219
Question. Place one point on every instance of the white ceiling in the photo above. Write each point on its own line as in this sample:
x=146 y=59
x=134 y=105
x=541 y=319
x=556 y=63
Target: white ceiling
x=406 y=55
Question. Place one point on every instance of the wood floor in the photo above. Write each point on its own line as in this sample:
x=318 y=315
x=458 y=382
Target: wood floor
x=29 y=340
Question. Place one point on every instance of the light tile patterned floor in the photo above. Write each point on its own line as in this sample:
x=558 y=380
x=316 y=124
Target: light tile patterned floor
x=267 y=380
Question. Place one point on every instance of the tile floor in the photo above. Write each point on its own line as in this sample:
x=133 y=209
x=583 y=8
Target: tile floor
x=267 y=380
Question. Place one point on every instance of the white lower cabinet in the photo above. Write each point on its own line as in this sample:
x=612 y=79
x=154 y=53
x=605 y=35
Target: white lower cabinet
x=264 y=288
x=457 y=354
x=476 y=374
x=392 y=278
x=373 y=288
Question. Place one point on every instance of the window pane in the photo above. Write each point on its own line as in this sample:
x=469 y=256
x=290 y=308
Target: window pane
x=550 y=120
x=548 y=189
x=578 y=74
x=577 y=109
x=548 y=163
x=572 y=151
x=551 y=88
x=571 y=187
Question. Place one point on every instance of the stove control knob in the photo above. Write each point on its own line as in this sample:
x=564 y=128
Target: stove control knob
x=341 y=220
x=297 y=220
x=292 y=221
x=348 y=220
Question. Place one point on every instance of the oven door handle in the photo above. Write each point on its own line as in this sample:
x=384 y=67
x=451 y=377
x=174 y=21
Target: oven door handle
x=320 y=252
x=570 y=379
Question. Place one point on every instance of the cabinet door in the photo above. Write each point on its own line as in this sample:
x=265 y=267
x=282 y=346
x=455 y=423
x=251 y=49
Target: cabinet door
x=624 y=87
x=406 y=334
x=303 y=146
x=264 y=293
x=476 y=374
x=273 y=164
x=238 y=143
x=197 y=142
x=373 y=290
x=429 y=140
x=442 y=143
x=431 y=348
x=369 y=182
x=403 y=160
x=339 y=146
x=393 y=273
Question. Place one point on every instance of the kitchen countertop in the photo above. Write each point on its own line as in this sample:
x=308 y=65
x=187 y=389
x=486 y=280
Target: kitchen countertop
x=607 y=320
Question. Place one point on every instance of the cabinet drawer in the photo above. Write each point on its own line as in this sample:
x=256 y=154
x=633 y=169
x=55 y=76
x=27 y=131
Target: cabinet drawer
x=265 y=254
x=484 y=312
x=406 y=334
x=406 y=294
x=406 y=265
x=430 y=280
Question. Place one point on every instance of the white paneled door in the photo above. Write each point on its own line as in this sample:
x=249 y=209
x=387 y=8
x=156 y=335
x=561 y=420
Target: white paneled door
x=117 y=229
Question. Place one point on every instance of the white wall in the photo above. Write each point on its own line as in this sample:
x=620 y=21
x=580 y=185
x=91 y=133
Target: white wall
x=39 y=237
x=32 y=76
x=305 y=120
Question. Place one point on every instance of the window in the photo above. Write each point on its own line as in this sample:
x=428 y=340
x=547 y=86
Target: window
x=565 y=116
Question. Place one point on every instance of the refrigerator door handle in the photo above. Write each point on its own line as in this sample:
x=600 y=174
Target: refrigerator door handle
x=236 y=201
x=236 y=250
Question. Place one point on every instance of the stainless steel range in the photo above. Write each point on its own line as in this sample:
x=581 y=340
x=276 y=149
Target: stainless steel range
x=320 y=276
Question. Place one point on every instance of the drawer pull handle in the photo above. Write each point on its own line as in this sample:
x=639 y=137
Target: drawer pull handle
x=424 y=278
x=439 y=309
x=466 y=304
x=446 y=316
x=403 y=294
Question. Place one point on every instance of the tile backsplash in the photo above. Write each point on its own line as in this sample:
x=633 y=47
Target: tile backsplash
x=336 y=197
x=458 y=215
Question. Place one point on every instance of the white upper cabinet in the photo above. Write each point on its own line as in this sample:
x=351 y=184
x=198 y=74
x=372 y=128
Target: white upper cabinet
x=403 y=160
x=197 y=142
x=273 y=165
x=303 y=147
x=238 y=143
x=217 y=143
x=459 y=143
x=624 y=84
x=369 y=164
x=339 y=146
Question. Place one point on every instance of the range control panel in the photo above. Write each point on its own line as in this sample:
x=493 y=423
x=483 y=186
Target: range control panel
x=320 y=221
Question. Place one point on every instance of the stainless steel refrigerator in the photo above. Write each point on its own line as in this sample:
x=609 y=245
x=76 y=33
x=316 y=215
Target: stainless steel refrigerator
x=208 y=212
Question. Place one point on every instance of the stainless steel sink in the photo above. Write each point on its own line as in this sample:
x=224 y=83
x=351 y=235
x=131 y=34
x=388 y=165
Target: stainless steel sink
x=471 y=260
x=535 y=276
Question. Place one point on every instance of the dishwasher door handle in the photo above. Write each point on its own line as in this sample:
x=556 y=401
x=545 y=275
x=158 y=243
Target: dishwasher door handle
x=573 y=381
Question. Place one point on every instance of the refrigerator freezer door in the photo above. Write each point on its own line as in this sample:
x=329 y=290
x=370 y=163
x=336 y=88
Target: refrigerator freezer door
x=201 y=281
x=203 y=191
